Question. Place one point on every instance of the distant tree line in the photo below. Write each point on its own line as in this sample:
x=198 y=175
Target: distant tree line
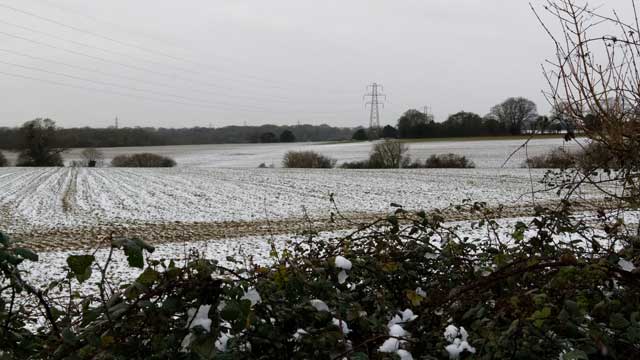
x=111 y=137
x=514 y=116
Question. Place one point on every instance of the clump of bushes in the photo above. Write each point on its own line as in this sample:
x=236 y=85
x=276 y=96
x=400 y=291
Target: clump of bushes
x=392 y=154
x=592 y=156
x=364 y=164
x=448 y=161
x=598 y=156
x=307 y=159
x=28 y=158
x=142 y=160
x=3 y=160
x=556 y=159
x=388 y=154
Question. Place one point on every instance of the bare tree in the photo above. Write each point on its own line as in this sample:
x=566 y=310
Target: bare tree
x=92 y=157
x=389 y=154
x=515 y=114
x=39 y=144
x=594 y=85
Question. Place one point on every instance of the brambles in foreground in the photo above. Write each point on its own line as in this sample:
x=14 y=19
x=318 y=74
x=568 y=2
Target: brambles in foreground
x=3 y=160
x=142 y=160
x=405 y=284
x=307 y=159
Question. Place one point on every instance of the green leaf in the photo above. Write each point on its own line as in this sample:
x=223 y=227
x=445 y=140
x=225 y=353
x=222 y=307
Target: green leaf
x=148 y=277
x=133 y=249
x=230 y=312
x=359 y=356
x=572 y=308
x=80 y=265
x=4 y=239
x=617 y=321
x=171 y=304
x=26 y=254
x=575 y=355
x=69 y=337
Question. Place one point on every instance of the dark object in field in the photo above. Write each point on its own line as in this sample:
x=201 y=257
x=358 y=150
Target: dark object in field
x=142 y=160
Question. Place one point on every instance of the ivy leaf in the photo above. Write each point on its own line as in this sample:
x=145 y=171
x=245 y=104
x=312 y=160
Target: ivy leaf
x=148 y=277
x=359 y=356
x=617 y=321
x=26 y=254
x=80 y=265
x=231 y=312
x=133 y=248
x=4 y=239
x=575 y=355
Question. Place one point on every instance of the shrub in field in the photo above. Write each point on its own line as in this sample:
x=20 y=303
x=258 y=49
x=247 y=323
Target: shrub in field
x=142 y=160
x=307 y=159
x=92 y=157
x=389 y=154
x=448 y=161
x=593 y=156
x=598 y=156
x=556 y=159
x=3 y=160
x=364 y=164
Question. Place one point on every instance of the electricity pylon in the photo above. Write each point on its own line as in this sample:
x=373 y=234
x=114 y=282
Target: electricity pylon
x=374 y=93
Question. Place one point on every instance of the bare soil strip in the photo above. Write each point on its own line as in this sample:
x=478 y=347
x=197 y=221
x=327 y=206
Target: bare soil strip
x=158 y=233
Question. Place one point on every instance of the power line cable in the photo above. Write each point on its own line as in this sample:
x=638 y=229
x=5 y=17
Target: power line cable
x=129 y=95
x=129 y=45
x=109 y=51
x=129 y=66
x=269 y=98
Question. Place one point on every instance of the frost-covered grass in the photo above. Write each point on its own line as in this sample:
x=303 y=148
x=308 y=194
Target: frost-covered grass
x=244 y=251
x=66 y=197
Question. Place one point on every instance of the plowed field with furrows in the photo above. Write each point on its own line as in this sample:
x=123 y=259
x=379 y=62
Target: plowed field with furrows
x=76 y=207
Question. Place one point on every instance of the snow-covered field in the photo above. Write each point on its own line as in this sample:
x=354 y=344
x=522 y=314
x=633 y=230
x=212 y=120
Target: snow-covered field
x=69 y=197
x=485 y=153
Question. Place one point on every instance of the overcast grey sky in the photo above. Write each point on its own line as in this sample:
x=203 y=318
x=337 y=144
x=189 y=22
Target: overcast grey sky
x=222 y=62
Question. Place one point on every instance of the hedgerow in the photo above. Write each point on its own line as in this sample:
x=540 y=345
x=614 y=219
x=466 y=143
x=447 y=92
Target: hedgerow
x=406 y=285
